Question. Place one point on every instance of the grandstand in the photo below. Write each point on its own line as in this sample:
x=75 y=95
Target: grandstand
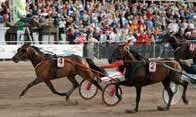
x=90 y=27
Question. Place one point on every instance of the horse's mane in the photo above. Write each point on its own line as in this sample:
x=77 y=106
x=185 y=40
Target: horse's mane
x=175 y=41
x=46 y=55
x=137 y=55
x=36 y=49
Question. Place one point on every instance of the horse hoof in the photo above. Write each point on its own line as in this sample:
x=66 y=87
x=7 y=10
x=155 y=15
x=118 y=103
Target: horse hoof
x=74 y=102
x=160 y=108
x=136 y=110
x=130 y=111
x=67 y=98
x=20 y=97
x=186 y=102
x=119 y=96
x=71 y=103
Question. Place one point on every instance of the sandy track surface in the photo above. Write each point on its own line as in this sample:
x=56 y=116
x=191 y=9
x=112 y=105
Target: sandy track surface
x=40 y=102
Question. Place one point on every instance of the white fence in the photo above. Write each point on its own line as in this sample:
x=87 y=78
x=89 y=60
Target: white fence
x=99 y=50
x=8 y=51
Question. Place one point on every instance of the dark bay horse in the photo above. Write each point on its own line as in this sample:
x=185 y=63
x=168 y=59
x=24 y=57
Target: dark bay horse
x=46 y=68
x=137 y=74
x=181 y=48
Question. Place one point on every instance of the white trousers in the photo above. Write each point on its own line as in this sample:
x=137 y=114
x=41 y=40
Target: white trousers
x=20 y=37
x=35 y=37
x=189 y=79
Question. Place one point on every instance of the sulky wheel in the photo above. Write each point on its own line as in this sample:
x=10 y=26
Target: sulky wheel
x=87 y=90
x=109 y=94
x=177 y=90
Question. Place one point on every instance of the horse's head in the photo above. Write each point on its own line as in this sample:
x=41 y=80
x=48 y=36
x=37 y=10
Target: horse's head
x=22 y=53
x=121 y=53
x=26 y=52
x=118 y=54
x=173 y=40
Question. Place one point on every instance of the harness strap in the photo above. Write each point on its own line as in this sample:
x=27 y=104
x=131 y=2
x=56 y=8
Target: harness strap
x=180 y=72
x=42 y=60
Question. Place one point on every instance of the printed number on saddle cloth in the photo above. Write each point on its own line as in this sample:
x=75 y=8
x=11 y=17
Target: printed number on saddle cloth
x=152 y=66
x=60 y=62
x=192 y=47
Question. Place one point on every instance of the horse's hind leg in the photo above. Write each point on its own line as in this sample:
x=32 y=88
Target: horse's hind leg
x=97 y=85
x=51 y=87
x=185 y=100
x=75 y=85
x=166 y=85
x=31 y=84
x=90 y=78
x=185 y=85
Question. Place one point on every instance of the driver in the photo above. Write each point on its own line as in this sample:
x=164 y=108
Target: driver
x=118 y=65
x=190 y=67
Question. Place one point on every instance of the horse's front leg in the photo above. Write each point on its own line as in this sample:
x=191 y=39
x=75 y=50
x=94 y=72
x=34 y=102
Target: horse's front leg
x=31 y=84
x=138 y=95
x=53 y=90
x=184 y=98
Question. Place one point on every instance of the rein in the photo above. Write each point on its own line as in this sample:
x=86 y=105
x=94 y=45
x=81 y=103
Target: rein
x=180 y=72
x=38 y=65
x=42 y=58
x=164 y=65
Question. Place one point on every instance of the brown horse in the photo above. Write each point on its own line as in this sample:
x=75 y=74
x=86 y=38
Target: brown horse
x=181 y=47
x=137 y=74
x=46 y=68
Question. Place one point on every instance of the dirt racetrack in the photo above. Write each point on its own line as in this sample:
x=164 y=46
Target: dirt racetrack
x=40 y=102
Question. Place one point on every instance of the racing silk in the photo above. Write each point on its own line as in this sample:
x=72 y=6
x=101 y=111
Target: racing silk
x=116 y=65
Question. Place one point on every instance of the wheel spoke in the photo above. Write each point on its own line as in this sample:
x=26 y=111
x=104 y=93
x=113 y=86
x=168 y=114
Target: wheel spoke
x=177 y=94
x=109 y=96
x=87 y=90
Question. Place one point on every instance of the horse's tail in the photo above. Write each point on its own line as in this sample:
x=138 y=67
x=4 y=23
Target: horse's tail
x=95 y=67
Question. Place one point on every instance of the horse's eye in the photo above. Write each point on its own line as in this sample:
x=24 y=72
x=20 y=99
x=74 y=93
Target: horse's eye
x=23 y=50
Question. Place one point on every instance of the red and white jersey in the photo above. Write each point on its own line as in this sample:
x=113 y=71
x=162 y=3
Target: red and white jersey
x=116 y=65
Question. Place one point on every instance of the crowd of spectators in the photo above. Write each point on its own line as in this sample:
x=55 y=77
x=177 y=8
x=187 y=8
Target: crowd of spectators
x=78 y=22
x=4 y=12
